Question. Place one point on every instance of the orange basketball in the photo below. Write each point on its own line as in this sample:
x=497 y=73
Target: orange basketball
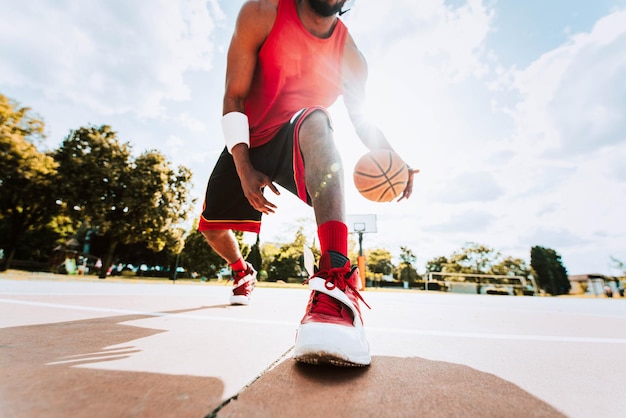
x=381 y=175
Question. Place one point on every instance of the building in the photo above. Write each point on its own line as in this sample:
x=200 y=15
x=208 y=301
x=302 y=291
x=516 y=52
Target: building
x=596 y=284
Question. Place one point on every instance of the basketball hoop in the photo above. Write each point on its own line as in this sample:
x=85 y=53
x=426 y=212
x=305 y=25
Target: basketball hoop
x=361 y=224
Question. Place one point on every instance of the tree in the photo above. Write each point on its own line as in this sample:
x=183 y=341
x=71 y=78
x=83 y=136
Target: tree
x=437 y=264
x=511 y=266
x=27 y=176
x=478 y=259
x=289 y=259
x=254 y=257
x=472 y=258
x=269 y=253
x=406 y=270
x=126 y=201
x=549 y=270
x=379 y=261
x=93 y=166
x=199 y=257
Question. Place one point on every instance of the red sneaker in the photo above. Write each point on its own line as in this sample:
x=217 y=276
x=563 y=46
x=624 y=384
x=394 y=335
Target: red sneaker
x=243 y=286
x=331 y=331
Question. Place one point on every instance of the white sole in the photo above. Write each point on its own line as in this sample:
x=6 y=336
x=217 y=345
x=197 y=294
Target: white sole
x=239 y=300
x=338 y=345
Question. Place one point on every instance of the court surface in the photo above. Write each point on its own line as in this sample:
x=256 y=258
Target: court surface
x=83 y=347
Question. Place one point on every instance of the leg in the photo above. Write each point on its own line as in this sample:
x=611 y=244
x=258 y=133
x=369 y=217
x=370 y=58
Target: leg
x=324 y=169
x=225 y=207
x=331 y=330
x=224 y=244
x=324 y=181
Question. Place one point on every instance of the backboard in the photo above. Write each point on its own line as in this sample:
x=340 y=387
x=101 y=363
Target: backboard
x=361 y=223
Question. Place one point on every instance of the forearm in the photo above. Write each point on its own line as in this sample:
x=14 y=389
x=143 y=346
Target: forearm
x=371 y=136
x=236 y=133
x=241 y=157
x=232 y=104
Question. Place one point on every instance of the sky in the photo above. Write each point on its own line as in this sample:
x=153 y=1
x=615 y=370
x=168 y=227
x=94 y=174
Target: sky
x=515 y=112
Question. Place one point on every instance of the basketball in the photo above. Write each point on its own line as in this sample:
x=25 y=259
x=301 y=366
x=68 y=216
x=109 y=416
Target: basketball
x=381 y=175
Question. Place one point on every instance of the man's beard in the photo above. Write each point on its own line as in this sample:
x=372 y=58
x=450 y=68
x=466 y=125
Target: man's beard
x=324 y=9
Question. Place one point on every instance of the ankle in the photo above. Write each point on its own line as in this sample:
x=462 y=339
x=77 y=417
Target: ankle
x=333 y=236
x=239 y=265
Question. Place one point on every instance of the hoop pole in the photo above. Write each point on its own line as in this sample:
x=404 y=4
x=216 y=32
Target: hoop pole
x=361 y=264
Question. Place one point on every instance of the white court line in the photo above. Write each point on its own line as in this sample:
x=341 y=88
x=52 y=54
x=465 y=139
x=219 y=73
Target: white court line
x=482 y=335
x=142 y=313
x=431 y=333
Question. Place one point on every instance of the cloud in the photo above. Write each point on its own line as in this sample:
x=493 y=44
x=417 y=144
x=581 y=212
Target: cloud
x=541 y=178
x=427 y=33
x=553 y=238
x=191 y=123
x=111 y=57
x=423 y=73
x=469 y=221
x=471 y=187
x=617 y=169
x=562 y=163
x=174 y=142
x=572 y=98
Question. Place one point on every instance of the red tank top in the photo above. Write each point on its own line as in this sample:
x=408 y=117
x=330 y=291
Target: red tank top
x=294 y=70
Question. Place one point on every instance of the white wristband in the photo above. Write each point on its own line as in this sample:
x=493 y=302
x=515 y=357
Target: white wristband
x=236 y=129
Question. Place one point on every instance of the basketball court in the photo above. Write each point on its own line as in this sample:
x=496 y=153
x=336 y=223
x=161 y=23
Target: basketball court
x=84 y=347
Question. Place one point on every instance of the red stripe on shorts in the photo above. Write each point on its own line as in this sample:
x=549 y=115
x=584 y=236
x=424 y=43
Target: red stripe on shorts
x=246 y=226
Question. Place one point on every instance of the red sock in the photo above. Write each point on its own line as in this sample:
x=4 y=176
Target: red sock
x=333 y=236
x=239 y=265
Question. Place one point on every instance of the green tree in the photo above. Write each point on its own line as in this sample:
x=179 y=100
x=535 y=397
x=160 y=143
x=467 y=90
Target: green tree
x=269 y=253
x=406 y=269
x=549 y=270
x=511 y=266
x=199 y=257
x=93 y=166
x=437 y=264
x=27 y=177
x=289 y=260
x=254 y=257
x=472 y=258
x=378 y=261
x=125 y=200
x=478 y=259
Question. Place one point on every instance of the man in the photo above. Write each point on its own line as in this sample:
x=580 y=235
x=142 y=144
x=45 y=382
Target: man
x=287 y=62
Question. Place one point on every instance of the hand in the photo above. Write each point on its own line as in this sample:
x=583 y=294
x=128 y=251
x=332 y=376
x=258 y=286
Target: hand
x=252 y=181
x=408 y=190
x=252 y=184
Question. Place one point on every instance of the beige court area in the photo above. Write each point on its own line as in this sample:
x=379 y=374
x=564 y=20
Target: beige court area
x=84 y=347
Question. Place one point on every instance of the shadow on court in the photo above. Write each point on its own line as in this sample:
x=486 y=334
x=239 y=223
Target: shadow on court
x=390 y=387
x=40 y=377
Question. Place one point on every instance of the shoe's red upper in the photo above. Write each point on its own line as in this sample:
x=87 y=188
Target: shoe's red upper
x=335 y=270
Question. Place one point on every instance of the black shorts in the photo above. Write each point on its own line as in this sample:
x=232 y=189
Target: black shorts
x=225 y=205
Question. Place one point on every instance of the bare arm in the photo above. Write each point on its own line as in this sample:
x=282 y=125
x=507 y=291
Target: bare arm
x=254 y=23
x=355 y=78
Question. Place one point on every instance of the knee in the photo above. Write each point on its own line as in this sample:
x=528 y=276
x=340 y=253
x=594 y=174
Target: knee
x=213 y=235
x=316 y=127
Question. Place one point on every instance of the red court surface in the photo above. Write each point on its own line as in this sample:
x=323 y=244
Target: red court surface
x=83 y=347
